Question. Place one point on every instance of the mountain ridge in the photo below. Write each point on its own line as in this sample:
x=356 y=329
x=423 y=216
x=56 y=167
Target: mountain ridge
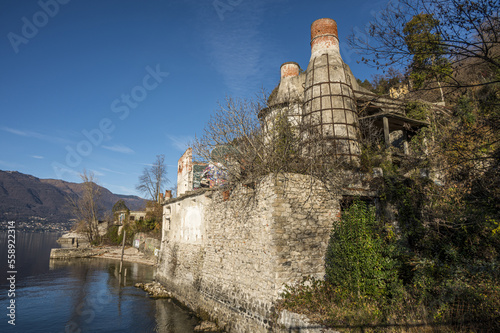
x=24 y=197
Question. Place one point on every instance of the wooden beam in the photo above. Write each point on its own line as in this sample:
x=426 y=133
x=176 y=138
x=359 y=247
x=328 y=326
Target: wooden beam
x=406 y=148
x=386 y=132
x=396 y=117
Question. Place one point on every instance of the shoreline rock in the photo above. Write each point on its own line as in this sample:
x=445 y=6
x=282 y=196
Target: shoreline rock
x=207 y=327
x=154 y=289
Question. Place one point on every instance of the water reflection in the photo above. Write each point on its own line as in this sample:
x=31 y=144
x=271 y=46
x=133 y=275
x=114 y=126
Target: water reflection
x=106 y=292
x=169 y=319
x=86 y=295
x=32 y=252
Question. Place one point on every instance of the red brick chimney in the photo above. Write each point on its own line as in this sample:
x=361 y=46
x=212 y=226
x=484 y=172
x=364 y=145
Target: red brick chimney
x=324 y=35
x=168 y=194
x=289 y=69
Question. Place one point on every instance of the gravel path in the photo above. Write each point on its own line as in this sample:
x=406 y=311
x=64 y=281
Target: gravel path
x=130 y=254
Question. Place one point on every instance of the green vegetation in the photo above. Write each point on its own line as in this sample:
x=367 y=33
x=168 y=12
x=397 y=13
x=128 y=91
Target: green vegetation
x=424 y=43
x=356 y=261
x=417 y=110
x=148 y=226
x=413 y=278
x=436 y=267
x=112 y=235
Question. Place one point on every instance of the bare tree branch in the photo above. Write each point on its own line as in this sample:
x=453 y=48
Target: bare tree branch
x=153 y=179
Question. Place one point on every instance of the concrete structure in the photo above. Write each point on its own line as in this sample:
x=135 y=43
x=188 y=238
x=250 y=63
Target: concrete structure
x=137 y=215
x=188 y=173
x=74 y=239
x=166 y=196
x=329 y=108
x=148 y=245
x=325 y=102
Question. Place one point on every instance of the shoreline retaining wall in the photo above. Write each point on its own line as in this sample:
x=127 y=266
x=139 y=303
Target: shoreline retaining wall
x=230 y=257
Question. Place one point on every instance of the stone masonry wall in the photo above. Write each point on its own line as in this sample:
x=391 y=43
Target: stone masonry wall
x=231 y=258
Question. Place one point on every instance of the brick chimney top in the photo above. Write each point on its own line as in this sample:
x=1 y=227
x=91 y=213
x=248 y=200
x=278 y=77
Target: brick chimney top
x=289 y=69
x=324 y=35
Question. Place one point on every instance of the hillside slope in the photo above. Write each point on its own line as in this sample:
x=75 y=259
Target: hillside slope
x=24 y=197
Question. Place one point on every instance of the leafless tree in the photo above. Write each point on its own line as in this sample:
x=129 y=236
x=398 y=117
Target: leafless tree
x=468 y=33
x=247 y=149
x=153 y=179
x=86 y=207
x=233 y=139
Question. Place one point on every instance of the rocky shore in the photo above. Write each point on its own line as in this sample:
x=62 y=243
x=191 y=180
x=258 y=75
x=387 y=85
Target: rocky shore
x=156 y=290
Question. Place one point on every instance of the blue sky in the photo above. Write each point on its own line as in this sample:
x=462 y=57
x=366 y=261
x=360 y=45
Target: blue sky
x=108 y=85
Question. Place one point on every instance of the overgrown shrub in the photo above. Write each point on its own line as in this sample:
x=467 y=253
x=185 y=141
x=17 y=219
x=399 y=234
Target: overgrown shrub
x=113 y=238
x=357 y=258
x=112 y=235
x=417 y=110
x=147 y=225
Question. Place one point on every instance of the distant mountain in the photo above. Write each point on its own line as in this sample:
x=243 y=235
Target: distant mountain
x=25 y=197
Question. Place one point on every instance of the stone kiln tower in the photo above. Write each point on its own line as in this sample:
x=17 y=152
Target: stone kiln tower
x=329 y=111
x=320 y=101
x=286 y=100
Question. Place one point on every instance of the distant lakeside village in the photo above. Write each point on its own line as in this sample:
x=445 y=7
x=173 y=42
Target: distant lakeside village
x=39 y=224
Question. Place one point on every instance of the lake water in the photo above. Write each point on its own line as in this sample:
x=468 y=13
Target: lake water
x=80 y=295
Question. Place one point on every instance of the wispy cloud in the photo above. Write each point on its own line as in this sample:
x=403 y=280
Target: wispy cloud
x=97 y=173
x=119 y=189
x=235 y=45
x=38 y=157
x=113 y=171
x=180 y=142
x=36 y=135
x=119 y=149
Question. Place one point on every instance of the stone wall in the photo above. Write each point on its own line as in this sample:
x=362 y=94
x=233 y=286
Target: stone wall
x=230 y=258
